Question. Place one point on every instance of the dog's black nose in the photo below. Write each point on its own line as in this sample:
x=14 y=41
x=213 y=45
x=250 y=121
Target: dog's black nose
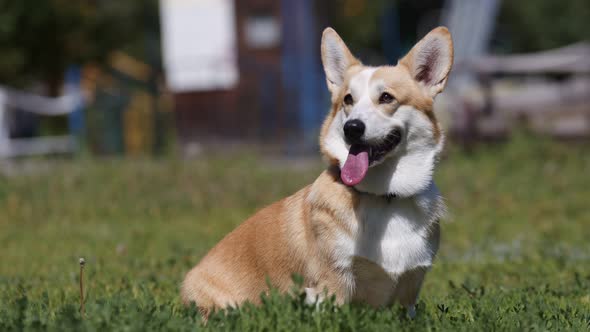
x=354 y=130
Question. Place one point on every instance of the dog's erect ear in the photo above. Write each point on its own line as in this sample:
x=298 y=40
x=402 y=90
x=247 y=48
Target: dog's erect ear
x=336 y=59
x=430 y=60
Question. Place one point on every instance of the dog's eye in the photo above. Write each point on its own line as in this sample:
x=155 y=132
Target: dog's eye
x=385 y=98
x=348 y=99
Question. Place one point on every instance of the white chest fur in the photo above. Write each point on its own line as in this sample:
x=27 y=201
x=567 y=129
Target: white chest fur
x=396 y=235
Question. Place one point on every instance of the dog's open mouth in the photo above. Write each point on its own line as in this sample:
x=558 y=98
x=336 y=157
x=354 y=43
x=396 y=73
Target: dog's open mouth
x=362 y=156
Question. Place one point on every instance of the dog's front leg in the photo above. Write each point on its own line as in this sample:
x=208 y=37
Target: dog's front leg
x=331 y=286
x=314 y=296
x=408 y=288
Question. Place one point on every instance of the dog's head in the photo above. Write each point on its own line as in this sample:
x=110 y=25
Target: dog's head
x=382 y=131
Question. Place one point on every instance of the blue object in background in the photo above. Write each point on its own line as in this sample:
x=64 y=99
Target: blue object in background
x=305 y=94
x=390 y=34
x=73 y=79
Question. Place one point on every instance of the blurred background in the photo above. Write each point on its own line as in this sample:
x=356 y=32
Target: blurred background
x=146 y=77
x=137 y=133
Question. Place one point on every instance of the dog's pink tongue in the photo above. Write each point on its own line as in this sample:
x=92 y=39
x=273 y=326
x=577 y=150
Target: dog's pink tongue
x=356 y=165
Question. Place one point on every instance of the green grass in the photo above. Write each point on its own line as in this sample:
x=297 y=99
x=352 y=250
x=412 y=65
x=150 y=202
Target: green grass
x=515 y=250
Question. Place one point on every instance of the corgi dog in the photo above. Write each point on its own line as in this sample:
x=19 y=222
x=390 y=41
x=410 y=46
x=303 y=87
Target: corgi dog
x=367 y=230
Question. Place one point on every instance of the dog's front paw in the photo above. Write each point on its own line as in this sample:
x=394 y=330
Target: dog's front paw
x=313 y=296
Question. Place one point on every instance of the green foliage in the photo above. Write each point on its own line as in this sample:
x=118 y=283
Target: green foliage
x=358 y=22
x=536 y=25
x=514 y=254
x=40 y=38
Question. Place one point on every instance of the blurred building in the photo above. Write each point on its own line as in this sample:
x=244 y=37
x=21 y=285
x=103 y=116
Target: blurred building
x=243 y=71
x=249 y=71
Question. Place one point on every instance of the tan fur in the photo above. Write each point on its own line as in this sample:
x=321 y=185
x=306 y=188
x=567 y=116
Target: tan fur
x=348 y=58
x=409 y=61
x=294 y=235
x=297 y=234
x=398 y=81
x=287 y=237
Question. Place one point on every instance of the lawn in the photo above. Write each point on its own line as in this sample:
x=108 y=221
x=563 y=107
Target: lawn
x=515 y=250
